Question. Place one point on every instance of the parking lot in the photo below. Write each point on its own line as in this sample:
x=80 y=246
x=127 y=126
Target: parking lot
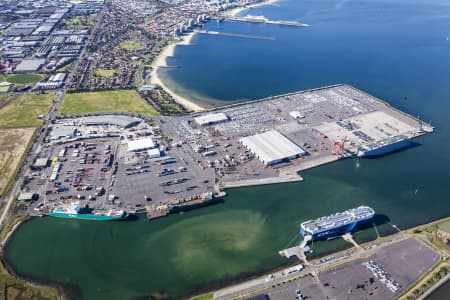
x=403 y=262
x=306 y=286
x=76 y=171
x=141 y=180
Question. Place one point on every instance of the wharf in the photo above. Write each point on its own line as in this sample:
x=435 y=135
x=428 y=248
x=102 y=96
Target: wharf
x=154 y=212
x=264 y=20
x=238 y=35
x=294 y=251
x=349 y=238
x=283 y=178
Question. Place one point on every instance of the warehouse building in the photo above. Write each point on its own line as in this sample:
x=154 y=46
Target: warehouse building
x=211 y=119
x=41 y=163
x=25 y=196
x=119 y=121
x=141 y=145
x=154 y=153
x=29 y=65
x=272 y=147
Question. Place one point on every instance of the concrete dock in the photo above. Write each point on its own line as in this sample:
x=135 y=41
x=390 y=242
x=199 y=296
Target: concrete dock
x=264 y=20
x=284 y=178
x=238 y=35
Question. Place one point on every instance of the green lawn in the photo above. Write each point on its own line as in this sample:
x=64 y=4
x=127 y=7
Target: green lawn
x=203 y=297
x=445 y=226
x=125 y=100
x=23 y=111
x=24 y=78
x=131 y=45
x=107 y=73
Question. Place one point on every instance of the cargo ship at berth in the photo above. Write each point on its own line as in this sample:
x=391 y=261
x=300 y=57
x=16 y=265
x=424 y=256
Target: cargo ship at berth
x=74 y=211
x=336 y=224
x=385 y=146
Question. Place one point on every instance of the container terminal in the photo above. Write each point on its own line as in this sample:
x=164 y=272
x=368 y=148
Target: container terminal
x=161 y=165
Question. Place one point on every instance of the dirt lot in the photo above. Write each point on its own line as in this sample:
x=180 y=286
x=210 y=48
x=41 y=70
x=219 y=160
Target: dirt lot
x=12 y=146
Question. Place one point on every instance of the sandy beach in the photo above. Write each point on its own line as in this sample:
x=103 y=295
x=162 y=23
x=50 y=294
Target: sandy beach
x=235 y=11
x=161 y=61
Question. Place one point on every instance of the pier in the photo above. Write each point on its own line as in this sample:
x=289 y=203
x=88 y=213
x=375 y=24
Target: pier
x=349 y=238
x=264 y=20
x=238 y=35
x=158 y=211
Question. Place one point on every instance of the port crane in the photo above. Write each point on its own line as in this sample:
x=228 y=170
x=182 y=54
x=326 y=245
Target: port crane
x=338 y=147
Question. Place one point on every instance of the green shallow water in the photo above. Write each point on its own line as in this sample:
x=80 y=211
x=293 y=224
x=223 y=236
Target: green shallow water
x=206 y=247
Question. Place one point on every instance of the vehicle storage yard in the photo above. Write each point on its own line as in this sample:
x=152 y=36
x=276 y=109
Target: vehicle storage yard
x=326 y=124
x=403 y=262
x=161 y=163
x=400 y=262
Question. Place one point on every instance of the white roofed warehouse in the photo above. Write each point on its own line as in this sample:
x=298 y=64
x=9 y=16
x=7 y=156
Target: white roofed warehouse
x=141 y=145
x=272 y=147
x=211 y=119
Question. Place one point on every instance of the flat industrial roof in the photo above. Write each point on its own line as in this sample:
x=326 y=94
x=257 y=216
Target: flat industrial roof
x=121 y=121
x=153 y=152
x=25 y=196
x=271 y=146
x=41 y=162
x=211 y=119
x=140 y=145
x=30 y=65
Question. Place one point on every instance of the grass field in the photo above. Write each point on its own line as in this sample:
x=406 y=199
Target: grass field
x=80 y=22
x=104 y=73
x=19 y=111
x=13 y=143
x=22 y=78
x=23 y=111
x=5 y=99
x=125 y=100
x=131 y=45
x=203 y=297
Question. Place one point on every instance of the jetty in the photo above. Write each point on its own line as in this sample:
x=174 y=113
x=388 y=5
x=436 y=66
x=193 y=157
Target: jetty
x=238 y=35
x=181 y=205
x=264 y=20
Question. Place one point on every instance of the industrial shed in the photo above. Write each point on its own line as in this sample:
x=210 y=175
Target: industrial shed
x=154 y=153
x=211 y=119
x=120 y=121
x=41 y=163
x=272 y=147
x=141 y=145
x=27 y=196
x=29 y=65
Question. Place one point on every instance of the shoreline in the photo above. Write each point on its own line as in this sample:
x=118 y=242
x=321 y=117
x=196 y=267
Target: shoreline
x=169 y=50
x=233 y=12
x=219 y=285
x=161 y=62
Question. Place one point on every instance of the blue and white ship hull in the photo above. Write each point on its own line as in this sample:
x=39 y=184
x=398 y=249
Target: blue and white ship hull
x=337 y=224
x=327 y=234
